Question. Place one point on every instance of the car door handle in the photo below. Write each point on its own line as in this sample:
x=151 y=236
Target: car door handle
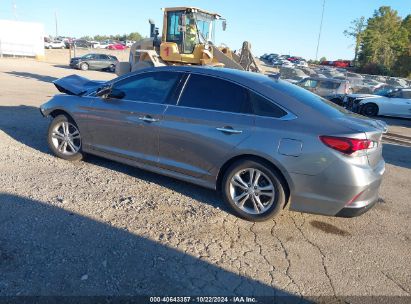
x=229 y=130
x=148 y=119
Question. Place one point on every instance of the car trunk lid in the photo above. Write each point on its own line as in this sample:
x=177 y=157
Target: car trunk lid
x=373 y=130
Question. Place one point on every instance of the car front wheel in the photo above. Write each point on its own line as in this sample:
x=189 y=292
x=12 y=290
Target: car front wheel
x=64 y=138
x=254 y=191
x=84 y=66
x=370 y=109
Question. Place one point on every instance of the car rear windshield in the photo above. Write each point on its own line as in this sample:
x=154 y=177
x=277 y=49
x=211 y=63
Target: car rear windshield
x=306 y=97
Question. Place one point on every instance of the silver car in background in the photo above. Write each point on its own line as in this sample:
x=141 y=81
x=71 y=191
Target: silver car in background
x=264 y=143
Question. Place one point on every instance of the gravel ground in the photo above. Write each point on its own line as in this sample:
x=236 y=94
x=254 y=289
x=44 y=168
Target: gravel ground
x=101 y=228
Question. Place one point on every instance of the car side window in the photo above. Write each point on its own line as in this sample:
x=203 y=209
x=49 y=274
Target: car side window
x=148 y=87
x=103 y=57
x=205 y=92
x=264 y=107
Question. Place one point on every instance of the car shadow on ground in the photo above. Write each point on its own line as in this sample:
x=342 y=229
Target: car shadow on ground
x=396 y=121
x=46 y=250
x=44 y=78
x=62 y=66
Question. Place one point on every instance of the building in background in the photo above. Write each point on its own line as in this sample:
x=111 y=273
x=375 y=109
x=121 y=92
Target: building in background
x=19 y=38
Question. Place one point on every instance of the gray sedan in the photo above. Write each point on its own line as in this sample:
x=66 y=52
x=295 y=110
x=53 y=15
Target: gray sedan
x=94 y=62
x=264 y=143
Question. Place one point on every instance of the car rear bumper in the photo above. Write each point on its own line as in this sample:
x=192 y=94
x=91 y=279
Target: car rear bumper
x=353 y=212
x=346 y=194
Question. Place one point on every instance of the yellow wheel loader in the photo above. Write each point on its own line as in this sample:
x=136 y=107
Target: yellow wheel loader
x=187 y=39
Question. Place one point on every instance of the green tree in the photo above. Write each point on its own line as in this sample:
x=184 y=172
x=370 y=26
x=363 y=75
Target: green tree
x=322 y=59
x=356 y=31
x=402 y=66
x=384 y=39
x=135 y=36
x=406 y=23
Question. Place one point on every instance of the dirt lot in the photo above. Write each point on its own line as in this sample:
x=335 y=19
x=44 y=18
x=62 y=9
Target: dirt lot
x=101 y=228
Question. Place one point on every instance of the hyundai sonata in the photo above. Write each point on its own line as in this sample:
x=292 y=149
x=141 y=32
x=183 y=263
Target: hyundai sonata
x=264 y=143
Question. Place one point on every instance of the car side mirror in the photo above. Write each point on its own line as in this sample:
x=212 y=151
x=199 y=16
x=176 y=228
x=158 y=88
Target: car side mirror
x=116 y=94
x=103 y=92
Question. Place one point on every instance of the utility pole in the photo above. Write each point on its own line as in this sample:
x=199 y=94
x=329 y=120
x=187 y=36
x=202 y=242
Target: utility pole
x=319 y=33
x=55 y=20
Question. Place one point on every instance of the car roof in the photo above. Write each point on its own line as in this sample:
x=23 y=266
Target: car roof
x=229 y=74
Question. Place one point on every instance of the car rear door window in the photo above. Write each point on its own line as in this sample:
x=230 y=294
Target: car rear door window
x=206 y=92
x=264 y=107
x=103 y=57
x=149 y=87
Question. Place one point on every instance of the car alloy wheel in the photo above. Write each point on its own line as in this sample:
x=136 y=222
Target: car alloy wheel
x=252 y=191
x=66 y=138
x=370 y=110
x=84 y=66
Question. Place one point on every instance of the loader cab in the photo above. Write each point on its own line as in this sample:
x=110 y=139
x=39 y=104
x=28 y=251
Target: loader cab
x=186 y=33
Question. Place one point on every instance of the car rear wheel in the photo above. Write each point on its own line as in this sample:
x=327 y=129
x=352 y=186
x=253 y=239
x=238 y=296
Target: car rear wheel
x=253 y=190
x=112 y=68
x=64 y=138
x=84 y=66
x=370 y=109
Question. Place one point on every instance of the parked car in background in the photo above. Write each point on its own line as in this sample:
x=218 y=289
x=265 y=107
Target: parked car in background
x=262 y=142
x=82 y=44
x=301 y=63
x=329 y=88
x=129 y=43
x=395 y=103
x=342 y=63
x=55 y=45
x=292 y=75
x=94 y=62
x=116 y=46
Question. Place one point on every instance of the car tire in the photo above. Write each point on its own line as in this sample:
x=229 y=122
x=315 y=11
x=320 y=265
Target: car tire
x=370 y=109
x=84 y=66
x=64 y=138
x=248 y=196
x=112 y=68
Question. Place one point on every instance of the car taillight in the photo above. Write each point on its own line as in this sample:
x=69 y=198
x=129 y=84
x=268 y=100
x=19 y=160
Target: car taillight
x=347 y=145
